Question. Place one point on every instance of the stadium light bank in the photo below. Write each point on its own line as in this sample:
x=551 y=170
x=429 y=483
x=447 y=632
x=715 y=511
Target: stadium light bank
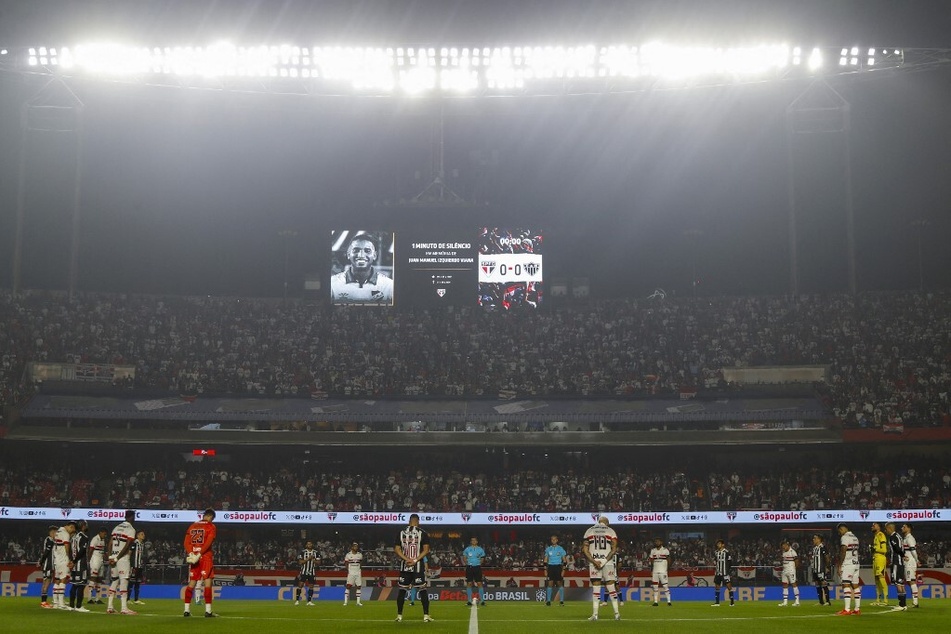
x=409 y=70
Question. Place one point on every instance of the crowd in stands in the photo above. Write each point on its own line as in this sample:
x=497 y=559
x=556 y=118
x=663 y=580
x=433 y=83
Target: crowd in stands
x=889 y=354
x=529 y=487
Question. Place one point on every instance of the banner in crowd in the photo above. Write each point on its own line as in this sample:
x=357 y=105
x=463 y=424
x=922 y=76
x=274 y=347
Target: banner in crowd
x=483 y=519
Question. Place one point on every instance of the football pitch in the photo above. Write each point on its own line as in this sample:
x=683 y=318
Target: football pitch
x=259 y=617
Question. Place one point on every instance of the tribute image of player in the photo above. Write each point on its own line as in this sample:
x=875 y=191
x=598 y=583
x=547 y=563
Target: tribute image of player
x=412 y=546
x=361 y=281
x=879 y=559
x=119 y=561
x=46 y=565
x=308 y=560
x=199 y=539
x=789 y=574
x=62 y=563
x=910 y=556
x=600 y=546
x=723 y=563
x=97 y=565
x=660 y=560
x=473 y=556
x=79 y=552
x=353 y=560
x=820 y=569
x=555 y=557
x=896 y=564
x=137 y=556
x=849 y=571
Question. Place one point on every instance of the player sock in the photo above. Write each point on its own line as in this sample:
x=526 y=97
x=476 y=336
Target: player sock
x=548 y=594
x=400 y=600
x=469 y=594
x=847 y=594
x=596 y=599
x=424 y=597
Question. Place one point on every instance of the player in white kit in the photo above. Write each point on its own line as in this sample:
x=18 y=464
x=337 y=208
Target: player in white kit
x=849 y=571
x=62 y=563
x=909 y=547
x=120 y=544
x=790 y=560
x=660 y=560
x=600 y=547
x=353 y=560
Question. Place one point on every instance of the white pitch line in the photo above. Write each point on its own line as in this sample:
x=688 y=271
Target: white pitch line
x=473 y=620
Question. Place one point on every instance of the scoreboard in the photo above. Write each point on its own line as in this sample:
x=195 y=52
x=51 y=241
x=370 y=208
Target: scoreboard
x=497 y=268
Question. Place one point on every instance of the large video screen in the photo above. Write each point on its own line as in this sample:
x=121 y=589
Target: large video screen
x=362 y=268
x=510 y=268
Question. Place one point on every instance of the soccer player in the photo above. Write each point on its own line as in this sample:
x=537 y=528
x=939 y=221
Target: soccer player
x=879 y=557
x=308 y=561
x=896 y=563
x=46 y=565
x=360 y=282
x=660 y=559
x=910 y=557
x=721 y=574
x=473 y=555
x=137 y=557
x=353 y=560
x=79 y=552
x=97 y=565
x=62 y=563
x=788 y=576
x=120 y=544
x=849 y=571
x=555 y=556
x=820 y=567
x=600 y=546
x=412 y=546
x=199 y=539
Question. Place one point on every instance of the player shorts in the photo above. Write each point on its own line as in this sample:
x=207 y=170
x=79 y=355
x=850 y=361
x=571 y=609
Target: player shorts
x=474 y=574
x=607 y=573
x=818 y=578
x=850 y=574
x=878 y=565
x=60 y=566
x=204 y=569
x=898 y=575
x=306 y=579
x=911 y=574
x=95 y=564
x=659 y=578
x=355 y=579
x=412 y=579
x=79 y=577
x=788 y=578
x=48 y=569
x=137 y=575
x=555 y=573
x=719 y=580
x=122 y=569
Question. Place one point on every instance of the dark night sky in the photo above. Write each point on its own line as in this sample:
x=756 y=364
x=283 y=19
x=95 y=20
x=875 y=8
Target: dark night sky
x=185 y=191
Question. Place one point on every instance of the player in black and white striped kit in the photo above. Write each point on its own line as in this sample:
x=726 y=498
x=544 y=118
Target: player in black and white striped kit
x=137 y=553
x=820 y=569
x=896 y=564
x=46 y=565
x=412 y=547
x=79 y=574
x=308 y=560
x=721 y=575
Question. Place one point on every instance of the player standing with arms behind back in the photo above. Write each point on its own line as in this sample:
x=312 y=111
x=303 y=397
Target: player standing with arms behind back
x=660 y=560
x=473 y=556
x=879 y=558
x=412 y=547
x=820 y=566
x=600 y=546
x=199 y=539
x=896 y=564
x=353 y=560
x=555 y=557
x=723 y=565
x=121 y=543
x=849 y=571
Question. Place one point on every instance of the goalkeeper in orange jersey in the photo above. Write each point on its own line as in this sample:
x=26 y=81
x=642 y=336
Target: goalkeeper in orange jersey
x=198 y=542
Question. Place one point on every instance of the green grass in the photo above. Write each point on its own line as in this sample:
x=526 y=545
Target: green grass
x=265 y=617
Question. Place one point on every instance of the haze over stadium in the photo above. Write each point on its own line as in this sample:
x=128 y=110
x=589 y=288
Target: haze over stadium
x=511 y=266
